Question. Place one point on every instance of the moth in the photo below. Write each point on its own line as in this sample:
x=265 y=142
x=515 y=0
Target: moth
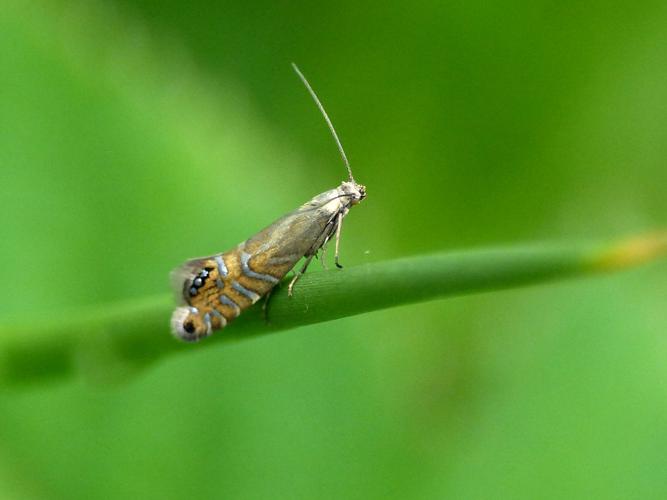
x=214 y=290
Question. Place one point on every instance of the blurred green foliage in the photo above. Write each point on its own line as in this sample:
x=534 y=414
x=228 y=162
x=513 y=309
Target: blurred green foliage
x=136 y=134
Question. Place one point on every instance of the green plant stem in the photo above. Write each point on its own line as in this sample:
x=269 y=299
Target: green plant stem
x=107 y=341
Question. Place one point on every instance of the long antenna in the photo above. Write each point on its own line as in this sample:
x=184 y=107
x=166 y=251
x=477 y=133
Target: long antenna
x=326 y=118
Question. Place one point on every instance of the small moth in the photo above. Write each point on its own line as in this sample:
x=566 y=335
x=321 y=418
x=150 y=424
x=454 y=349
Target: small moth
x=216 y=289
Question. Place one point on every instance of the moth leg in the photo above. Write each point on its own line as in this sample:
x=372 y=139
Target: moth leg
x=325 y=242
x=339 y=224
x=298 y=275
x=323 y=255
x=265 y=306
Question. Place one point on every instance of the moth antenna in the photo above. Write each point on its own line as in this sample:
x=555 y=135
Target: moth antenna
x=326 y=118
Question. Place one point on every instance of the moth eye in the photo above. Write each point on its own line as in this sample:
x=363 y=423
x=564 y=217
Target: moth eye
x=189 y=327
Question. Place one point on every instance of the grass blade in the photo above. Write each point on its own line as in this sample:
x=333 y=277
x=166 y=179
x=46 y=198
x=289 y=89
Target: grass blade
x=107 y=341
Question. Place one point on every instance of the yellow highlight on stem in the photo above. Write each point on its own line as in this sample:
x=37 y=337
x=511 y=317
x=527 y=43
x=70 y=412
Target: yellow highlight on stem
x=631 y=252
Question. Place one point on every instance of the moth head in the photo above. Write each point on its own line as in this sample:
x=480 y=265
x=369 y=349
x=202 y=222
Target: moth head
x=356 y=192
x=187 y=324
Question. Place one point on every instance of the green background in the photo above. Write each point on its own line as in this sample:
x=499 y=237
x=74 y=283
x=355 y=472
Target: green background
x=134 y=135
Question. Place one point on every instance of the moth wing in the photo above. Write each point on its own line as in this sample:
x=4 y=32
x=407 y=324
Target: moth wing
x=291 y=237
x=186 y=272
